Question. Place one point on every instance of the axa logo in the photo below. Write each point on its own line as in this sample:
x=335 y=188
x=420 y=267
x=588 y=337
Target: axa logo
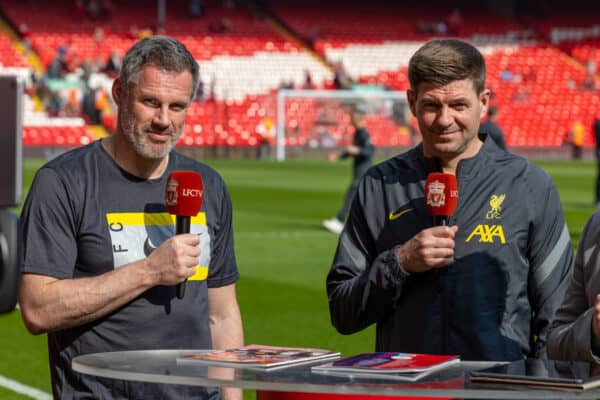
x=487 y=234
x=495 y=206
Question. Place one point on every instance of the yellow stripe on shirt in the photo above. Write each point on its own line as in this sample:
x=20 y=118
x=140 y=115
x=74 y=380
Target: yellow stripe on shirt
x=141 y=219
x=200 y=274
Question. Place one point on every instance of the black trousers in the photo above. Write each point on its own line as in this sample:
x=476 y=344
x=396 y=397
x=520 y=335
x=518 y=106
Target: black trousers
x=359 y=171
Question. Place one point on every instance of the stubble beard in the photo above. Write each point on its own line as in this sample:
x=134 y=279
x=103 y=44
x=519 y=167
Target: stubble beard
x=140 y=142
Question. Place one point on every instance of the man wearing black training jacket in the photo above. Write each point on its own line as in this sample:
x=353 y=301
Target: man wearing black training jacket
x=484 y=287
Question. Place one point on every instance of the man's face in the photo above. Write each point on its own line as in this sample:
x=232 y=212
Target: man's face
x=153 y=110
x=448 y=117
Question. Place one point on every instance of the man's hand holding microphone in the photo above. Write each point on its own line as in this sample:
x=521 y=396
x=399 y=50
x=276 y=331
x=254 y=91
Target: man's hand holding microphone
x=433 y=247
x=176 y=259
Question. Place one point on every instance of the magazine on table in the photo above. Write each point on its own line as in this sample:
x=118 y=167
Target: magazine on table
x=566 y=375
x=258 y=356
x=388 y=365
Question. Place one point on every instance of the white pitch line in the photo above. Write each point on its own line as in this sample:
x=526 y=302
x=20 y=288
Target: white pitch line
x=24 y=389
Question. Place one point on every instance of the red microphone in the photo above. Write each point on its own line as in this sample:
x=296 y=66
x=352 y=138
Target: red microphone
x=183 y=198
x=441 y=196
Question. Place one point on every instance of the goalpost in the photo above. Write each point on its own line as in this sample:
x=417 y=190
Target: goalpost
x=318 y=119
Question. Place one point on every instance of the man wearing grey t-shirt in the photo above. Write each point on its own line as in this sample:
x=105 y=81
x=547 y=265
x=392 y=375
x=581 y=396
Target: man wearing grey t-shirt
x=101 y=259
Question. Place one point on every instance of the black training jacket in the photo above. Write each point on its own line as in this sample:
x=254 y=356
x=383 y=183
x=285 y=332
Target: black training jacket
x=512 y=260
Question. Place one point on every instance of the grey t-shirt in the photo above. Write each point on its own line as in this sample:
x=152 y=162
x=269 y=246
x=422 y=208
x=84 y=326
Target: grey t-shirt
x=85 y=216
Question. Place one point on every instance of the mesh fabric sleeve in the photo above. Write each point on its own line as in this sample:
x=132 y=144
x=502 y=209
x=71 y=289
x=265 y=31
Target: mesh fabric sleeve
x=362 y=286
x=569 y=337
x=550 y=256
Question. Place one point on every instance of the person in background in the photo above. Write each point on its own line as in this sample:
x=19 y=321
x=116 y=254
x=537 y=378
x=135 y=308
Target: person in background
x=113 y=64
x=487 y=285
x=597 y=154
x=575 y=332
x=25 y=34
x=341 y=79
x=576 y=134
x=308 y=80
x=267 y=136
x=589 y=81
x=361 y=151
x=491 y=128
x=196 y=8
x=454 y=22
x=100 y=258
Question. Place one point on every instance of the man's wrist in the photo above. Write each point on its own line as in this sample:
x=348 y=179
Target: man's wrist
x=398 y=273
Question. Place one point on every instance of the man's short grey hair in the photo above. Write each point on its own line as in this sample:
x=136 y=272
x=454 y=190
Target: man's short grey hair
x=163 y=52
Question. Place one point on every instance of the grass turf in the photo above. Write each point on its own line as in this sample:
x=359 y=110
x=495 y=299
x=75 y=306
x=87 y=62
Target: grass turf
x=283 y=255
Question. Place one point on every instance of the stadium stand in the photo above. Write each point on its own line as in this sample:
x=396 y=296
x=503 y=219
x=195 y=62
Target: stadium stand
x=9 y=56
x=374 y=48
x=539 y=56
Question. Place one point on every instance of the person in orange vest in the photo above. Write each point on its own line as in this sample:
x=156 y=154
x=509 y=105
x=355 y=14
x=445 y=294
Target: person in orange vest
x=576 y=135
x=266 y=132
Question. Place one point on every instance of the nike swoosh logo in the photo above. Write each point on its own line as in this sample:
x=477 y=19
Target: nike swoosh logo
x=399 y=214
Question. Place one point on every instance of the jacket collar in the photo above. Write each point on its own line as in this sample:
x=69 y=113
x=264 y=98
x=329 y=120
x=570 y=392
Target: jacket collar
x=468 y=167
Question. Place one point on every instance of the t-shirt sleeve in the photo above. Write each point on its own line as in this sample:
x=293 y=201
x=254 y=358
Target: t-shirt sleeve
x=223 y=269
x=48 y=228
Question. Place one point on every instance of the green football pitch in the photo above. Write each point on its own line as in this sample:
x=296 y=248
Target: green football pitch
x=283 y=256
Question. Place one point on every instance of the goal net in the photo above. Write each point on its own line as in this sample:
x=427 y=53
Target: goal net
x=309 y=120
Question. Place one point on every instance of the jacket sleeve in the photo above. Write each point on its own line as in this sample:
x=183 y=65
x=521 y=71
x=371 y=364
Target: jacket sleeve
x=569 y=337
x=550 y=256
x=362 y=285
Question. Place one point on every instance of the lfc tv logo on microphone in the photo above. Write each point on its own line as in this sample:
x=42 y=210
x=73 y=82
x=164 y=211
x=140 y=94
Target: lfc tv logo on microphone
x=435 y=194
x=191 y=192
x=171 y=198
